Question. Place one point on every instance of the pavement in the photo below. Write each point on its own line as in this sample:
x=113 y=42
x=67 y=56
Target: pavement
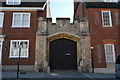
x=55 y=75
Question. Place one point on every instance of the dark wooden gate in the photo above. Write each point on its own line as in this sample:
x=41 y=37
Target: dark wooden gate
x=63 y=54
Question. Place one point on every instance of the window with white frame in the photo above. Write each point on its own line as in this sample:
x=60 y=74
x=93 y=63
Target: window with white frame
x=111 y=0
x=106 y=19
x=1 y=19
x=19 y=46
x=109 y=52
x=13 y=2
x=21 y=20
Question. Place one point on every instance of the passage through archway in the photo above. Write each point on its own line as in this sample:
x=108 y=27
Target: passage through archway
x=63 y=54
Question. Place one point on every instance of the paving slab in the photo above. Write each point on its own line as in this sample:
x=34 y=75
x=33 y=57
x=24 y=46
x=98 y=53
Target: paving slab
x=56 y=75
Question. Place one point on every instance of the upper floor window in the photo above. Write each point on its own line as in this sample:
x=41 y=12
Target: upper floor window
x=19 y=47
x=111 y=0
x=106 y=19
x=1 y=19
x=109 y=52
x=21 y=20
x=13 y=2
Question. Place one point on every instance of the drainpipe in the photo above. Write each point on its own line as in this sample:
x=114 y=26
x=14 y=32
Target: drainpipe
x=92 y=61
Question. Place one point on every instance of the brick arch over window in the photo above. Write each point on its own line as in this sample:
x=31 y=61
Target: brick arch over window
x=66 y=36
x=109 y=42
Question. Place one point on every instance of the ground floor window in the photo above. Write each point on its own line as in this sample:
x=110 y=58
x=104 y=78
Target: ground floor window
x=19 y=46
x=109 y=52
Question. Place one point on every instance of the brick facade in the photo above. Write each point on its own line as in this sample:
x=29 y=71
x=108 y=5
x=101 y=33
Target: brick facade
x=101 y=35
x=19 y=34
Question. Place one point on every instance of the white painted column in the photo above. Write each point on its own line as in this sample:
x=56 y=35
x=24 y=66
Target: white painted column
x=1 y=44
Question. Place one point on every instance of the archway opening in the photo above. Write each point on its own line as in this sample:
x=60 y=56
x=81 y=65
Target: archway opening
x=67 y=36
x=63 y=54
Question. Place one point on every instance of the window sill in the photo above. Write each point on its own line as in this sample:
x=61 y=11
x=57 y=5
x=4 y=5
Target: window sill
x=20 y=27
x=111 y=1
x=110 y=62
x=12 y=4
x=18 y=57
x=107 y=26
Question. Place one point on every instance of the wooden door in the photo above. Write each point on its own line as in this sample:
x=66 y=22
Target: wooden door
x=63 y=54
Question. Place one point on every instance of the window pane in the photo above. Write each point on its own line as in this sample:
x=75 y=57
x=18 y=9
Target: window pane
x=106 y=19
x=13 y=2
x=15 y=48
x=24 y=48
x=25 y=21
x=19 y=46
x=17 y=16
x=17 y=19
x=109 y=52
x=1 y=16
x=15 y=52
x=10 y=1
x=1 y=23
x=1 y=19
x=16 y=1
x=21 y=20
x=23 y=52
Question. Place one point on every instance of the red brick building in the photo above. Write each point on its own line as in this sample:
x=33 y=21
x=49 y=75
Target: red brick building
x=104 y=26
x=18 y=25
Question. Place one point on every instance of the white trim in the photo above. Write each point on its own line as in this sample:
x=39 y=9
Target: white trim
x=1 y=43
x=110 y=1
x=21 y=20
x=13 y=2
x=2 y=19
x=2 y=36
x=18 y=56
x=21 y=8
x=112 y=50
x=110 y=20
x=44 y=6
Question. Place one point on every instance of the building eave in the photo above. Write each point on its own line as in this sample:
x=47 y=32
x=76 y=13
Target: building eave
x=20 y=8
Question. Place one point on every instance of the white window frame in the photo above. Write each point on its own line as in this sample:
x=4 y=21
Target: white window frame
x=110 y=20
x=21 y=19
x=110 y=1
x=112 y=50
x=2 y=19
x=1 y=43
x=10 y=55
x=13 y=2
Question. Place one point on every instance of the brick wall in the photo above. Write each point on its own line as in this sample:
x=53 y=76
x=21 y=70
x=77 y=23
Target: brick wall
x=19 y=34
x=119 y=32
x=81 y=11
x=99 y=34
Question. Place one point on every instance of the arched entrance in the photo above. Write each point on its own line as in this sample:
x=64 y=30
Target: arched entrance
x=63 y=51
x=63 y=54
